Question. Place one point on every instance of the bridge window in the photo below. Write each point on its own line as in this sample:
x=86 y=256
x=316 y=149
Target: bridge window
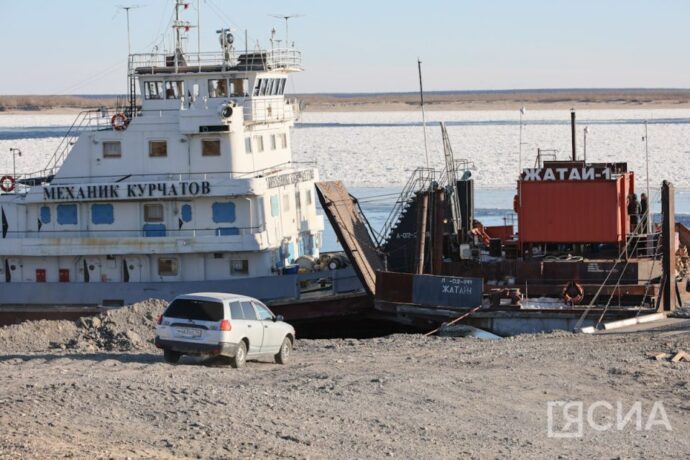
x=112 y=149
x=210 y=147
x=102 y=214
x=167 y=266
x=154 y=90
x=67 y=214
x=153 y=212
x=173 y=89
x=239 y=87
x=282 y=86
x=257 y=88
x=259 y=143
x=264 y=84
x=158 y=148
x=248 y=144
x=218 y=88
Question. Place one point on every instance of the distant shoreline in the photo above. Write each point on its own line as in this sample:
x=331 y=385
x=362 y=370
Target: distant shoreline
x=595 y=99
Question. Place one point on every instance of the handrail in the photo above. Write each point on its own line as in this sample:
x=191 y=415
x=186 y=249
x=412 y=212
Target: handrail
x=421 y=179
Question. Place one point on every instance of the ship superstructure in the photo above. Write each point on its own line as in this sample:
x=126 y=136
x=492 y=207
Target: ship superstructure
x=195 y=188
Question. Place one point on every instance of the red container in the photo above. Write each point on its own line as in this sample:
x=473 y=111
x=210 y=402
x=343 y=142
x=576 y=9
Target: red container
x=574 y=211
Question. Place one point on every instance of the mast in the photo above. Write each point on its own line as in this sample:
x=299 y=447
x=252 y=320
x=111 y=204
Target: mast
x=421 y=97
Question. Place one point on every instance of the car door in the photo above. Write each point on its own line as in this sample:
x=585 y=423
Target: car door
x=253 y=327
x=273 y=334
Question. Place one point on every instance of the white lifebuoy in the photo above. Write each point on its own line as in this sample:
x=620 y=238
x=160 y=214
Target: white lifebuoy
x=7 y=183
x=119 y=121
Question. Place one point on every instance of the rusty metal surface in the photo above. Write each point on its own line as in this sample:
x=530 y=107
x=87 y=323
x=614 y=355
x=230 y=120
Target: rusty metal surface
x=394 y=287
x=349 y=225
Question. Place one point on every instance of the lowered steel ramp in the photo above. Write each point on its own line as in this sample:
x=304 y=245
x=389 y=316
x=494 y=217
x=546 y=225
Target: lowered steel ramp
x=351 y=228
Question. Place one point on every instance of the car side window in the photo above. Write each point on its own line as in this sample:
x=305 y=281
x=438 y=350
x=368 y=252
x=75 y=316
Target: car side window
x=248 y=311
x=236 y=310
x=263 y=312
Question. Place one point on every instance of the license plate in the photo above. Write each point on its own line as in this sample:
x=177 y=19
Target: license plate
x=188 y=332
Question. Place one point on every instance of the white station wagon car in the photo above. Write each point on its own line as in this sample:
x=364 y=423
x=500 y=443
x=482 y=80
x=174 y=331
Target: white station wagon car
x=235 y=326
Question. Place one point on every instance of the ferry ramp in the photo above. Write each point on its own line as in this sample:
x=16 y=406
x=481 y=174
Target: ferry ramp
x=352 y=230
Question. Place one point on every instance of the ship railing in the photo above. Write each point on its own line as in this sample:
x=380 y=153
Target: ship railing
x=264 y=110
x=141 y=232
x=288 y=166
x=87 y=120
x=421 y=179
x=236 y=60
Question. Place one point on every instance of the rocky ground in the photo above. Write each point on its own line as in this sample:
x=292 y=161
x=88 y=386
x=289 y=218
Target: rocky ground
x=98 y=389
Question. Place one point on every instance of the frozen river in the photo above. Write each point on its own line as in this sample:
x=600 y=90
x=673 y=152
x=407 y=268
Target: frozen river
x=375 y=152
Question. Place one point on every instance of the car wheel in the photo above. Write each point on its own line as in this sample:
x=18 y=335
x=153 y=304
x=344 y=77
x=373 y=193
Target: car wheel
x=171 y=356
x=240 y=357
x=283 y=355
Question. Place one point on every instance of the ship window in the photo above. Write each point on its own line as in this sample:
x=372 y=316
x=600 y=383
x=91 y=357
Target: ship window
x=308 y=197
x=282 y=85
x=259 y=143
x=273 y=141
x=154 y=90
x=264 y=84
x=239 y=267
x=167 y=266
x=186 y=213
x=283 y=140
x=218 y=88
x=67 y=214
x=158 y=148
x=248 y=144
x=153 y=213
x=275 y=206
x=112 y=149
x=173 y=89
x=257 y=88
x=102 y=214
x=45 y=215
x=210 y=147
x=223 y=212
x=239 y=87
x=286 y=202
x=298 y=201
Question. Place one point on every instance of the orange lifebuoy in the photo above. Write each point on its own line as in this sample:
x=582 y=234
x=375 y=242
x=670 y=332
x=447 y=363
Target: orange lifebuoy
x=573 y=293
x=7 y=183
x=119 y=121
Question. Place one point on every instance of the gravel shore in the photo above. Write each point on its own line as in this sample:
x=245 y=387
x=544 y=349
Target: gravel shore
x=402 y=396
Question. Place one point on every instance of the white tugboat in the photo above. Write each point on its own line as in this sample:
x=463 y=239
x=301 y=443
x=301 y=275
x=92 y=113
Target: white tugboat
x=193 y=190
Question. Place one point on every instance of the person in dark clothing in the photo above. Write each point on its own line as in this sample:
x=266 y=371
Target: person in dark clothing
x=644 y=213
x=633 y=212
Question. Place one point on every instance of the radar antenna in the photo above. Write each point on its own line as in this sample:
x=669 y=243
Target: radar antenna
x=287 y=18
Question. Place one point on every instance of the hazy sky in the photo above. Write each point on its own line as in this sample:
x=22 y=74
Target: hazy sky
x=80 y=46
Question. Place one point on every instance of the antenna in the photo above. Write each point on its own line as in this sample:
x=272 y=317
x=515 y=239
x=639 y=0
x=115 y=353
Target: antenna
x=180 y=25
x=287 y=18
x=126 y=8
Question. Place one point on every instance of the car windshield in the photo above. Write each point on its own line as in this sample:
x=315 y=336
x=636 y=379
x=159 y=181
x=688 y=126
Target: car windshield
x=202 y=310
